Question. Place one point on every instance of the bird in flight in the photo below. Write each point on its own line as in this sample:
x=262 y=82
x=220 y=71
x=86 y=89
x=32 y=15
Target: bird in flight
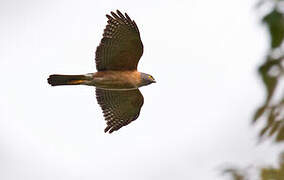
x=117 y=79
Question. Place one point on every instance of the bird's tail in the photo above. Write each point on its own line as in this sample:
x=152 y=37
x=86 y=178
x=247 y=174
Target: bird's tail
x=57 y=79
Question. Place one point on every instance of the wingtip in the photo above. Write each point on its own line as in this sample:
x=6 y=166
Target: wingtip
x=109 y=17
x=107 y=128
x=112 y=13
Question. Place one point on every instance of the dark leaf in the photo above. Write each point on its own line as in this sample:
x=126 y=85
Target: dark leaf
x=269 y=81
x=275 y=23
x=263 y=131
x=280 y=135
x=258 y=113
x=271 y=117
x=274 y=128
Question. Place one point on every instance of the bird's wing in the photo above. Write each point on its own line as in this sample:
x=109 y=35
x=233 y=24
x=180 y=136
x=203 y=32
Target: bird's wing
x=121 y=46
x=119 y=107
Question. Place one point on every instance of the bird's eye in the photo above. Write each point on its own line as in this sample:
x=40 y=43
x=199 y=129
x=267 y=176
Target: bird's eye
x=150 y=77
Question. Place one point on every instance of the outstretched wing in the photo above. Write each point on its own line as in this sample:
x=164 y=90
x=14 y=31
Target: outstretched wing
x=121 y=46
x=119 y=107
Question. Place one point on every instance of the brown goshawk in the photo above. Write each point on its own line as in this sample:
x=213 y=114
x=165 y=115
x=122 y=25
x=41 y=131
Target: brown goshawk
x=117 y=80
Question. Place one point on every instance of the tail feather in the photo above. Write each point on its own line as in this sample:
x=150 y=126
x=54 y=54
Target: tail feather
x=57 y=79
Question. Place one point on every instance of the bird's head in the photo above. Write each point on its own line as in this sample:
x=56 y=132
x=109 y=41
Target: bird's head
x=146 y=79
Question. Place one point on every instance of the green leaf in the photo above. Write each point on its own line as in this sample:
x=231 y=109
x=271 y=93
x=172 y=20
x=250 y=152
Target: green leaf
x=270 y=82
x=263 y=131
x=280 y=135
x=274 y=128
x=275 y=22
x=259 y=113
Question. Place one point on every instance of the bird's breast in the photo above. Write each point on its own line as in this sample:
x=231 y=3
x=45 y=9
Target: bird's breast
x=117 y=80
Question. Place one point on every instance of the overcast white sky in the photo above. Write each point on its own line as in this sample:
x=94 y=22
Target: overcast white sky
x=203 y=55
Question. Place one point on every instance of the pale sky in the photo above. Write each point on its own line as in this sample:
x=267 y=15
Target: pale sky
x=195 y=119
